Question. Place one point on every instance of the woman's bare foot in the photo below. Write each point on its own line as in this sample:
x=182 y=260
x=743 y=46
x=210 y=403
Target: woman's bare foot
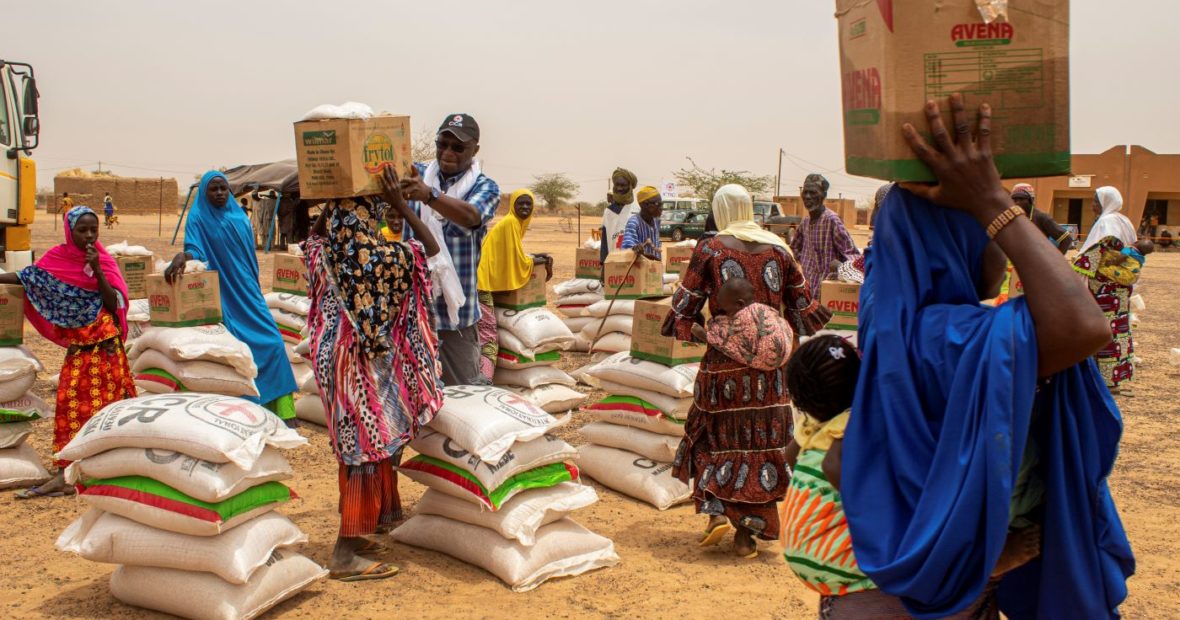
x=54 y=487
x=1020 y=548
x=743 y=543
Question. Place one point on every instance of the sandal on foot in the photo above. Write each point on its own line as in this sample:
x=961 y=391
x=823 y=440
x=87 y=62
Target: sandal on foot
x=378 y=570
x=715 y=535
x=373 y=546
x=34 y=493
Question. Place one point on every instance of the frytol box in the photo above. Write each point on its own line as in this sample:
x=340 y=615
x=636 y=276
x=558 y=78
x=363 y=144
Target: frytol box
x=339 y=157
x=192 y=299
x=896 y=55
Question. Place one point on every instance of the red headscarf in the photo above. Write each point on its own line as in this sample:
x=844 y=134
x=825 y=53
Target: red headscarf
x=67 y=263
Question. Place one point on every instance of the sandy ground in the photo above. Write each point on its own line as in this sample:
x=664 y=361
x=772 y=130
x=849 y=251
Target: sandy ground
x=662 y=574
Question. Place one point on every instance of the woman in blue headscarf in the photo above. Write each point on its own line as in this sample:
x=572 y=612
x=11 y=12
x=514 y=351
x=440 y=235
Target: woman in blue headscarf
x=218 y=233
x=971 y=423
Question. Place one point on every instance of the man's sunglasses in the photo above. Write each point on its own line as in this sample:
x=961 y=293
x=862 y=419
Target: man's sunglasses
x=454 y=147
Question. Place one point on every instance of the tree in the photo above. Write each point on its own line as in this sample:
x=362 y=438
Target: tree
x=422 y=146
x=704 y=183
x=554 y=188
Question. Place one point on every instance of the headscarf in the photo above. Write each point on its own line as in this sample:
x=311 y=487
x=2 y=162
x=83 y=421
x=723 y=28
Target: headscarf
x=223 y=238
x=72 y=298
x=632 y=180
x=733 y=209
x=818 y=178
x=1111 y=223
x=372 y=276
x=646 y=193
x=1026 y=189
x=940 y=420
x=757 y=336
x=503 y=264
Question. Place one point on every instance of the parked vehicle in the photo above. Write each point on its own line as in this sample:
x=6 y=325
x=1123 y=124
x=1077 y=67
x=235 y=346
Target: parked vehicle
x=685 y=204
x=681 y=225
x=770 y=216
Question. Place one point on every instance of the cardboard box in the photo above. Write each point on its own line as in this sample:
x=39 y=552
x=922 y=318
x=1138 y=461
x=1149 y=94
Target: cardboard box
x=531 y=295
x=194 y=299
x=338 y=157
x=12 y=315
x=290 y=275
x=648 y=344
x=843 y=299
x=896 y=55
x=135 y=270
x=623 y=281
x=677 y=258
x=588 y=264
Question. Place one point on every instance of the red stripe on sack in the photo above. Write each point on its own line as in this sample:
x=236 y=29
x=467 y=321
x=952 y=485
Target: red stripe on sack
x=449 y=476
x=573 y=471
x=172 y=385
x=632 y=408
x=155 y=501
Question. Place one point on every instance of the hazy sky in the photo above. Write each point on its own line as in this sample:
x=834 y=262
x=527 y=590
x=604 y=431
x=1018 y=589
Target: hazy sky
x=171 y=88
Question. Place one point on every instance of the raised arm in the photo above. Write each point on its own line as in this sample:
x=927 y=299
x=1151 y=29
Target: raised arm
x=392 y=195
x=1069 y=324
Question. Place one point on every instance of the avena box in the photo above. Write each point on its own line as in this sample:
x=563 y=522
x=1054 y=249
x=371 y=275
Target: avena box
x=843 y=299
x=627 y=275
x=135 y=270
x=897 y=54
x=677 y=258
x=12 y=315
x=192 y=299
x=290 y=275
x=531 y=295
x=647 y=343
x=338 y=157
x=588 y=264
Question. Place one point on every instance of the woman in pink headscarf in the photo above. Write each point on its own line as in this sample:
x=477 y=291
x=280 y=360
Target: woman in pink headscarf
x=76 y=297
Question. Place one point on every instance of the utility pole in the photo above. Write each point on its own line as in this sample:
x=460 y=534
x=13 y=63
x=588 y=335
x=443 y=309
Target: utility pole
x=778 y=175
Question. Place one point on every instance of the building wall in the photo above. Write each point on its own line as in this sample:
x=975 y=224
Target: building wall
x=844 y=207
x=131 y=195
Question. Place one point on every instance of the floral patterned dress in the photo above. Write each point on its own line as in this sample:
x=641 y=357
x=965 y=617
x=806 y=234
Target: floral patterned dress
x=734 y=450
x=1113 y=293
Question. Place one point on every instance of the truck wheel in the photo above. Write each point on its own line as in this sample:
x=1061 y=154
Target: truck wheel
x=678 y=234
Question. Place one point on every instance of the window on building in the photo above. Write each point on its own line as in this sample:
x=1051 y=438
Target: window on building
x=1156 y=209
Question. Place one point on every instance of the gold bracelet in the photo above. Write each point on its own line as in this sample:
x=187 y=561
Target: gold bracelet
x=1007 y=217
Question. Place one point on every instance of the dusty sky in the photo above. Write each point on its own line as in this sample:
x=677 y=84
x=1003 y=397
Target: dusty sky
x=164 y=88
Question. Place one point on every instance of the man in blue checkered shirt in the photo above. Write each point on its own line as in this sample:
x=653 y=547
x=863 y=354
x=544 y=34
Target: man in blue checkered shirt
x=457 y=190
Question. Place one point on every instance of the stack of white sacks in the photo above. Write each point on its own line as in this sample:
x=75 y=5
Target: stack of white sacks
x=182 y=489
x=139 y=316
x=608 y=330
x=573 y=297
x=500 y=490
x=204 y=358
x=637 y=428
x=531 y=342
x=20 y=465
x=290 y=315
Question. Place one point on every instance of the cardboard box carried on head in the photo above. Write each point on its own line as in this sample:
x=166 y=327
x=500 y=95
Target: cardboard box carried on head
x=193 y=299
x=896 y=55
x=648 y=344
x=628 y=275
x=843 y=299
x=338 y=157
x=135 y=270
x=12 y=315
x=588 y=264
x=290 y=275
x=531 y=295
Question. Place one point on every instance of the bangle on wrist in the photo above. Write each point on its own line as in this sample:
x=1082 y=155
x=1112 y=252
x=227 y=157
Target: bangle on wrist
x=1002 y=220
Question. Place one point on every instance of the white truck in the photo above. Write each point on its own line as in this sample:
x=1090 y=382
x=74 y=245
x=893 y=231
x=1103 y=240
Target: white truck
x=19 y=128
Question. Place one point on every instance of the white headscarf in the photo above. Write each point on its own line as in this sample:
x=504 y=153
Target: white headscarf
x=1111 y=223
x=733 y=210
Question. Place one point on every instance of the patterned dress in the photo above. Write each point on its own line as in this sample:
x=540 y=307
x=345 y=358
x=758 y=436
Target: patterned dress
x=734 y=450
x=1115 y=360
x=94 y=374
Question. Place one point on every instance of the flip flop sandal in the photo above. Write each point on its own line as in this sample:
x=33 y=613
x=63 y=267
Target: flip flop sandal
x=750 y=556
x=373 y=546
x=715 y=535
x=379 y=570
x=35 y=493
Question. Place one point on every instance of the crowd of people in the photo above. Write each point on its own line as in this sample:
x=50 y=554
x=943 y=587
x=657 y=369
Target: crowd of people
x=951 y=463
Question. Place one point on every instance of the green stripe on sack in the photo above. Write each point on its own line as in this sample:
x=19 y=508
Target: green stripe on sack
x=254 y=497
x=164 y=374
x=302 y=292
x=535 y=304
x=9 y=415
x=537 y=478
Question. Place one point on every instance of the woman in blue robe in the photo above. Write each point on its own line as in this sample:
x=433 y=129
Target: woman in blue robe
x=218 y=233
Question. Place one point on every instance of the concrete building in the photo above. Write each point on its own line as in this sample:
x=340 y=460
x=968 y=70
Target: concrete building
x=1149 y=182
x=130 y=195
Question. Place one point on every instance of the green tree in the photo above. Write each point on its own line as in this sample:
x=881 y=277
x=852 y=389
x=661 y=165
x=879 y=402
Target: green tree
x=554 y=188
x=704 y=183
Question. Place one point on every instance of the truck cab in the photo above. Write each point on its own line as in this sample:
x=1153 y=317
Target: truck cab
x=19 y=129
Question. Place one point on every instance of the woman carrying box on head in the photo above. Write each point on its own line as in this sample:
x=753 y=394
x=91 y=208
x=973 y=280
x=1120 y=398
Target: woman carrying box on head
x=504 y=266
x=218 y=233
x=76 y=297
x=376 y=361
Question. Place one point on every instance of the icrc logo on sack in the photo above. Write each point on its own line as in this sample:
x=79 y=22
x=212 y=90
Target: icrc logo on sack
x=240 y=417
x=503 y=402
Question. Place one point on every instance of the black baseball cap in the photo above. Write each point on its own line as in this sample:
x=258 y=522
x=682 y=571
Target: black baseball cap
x=463 y=126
